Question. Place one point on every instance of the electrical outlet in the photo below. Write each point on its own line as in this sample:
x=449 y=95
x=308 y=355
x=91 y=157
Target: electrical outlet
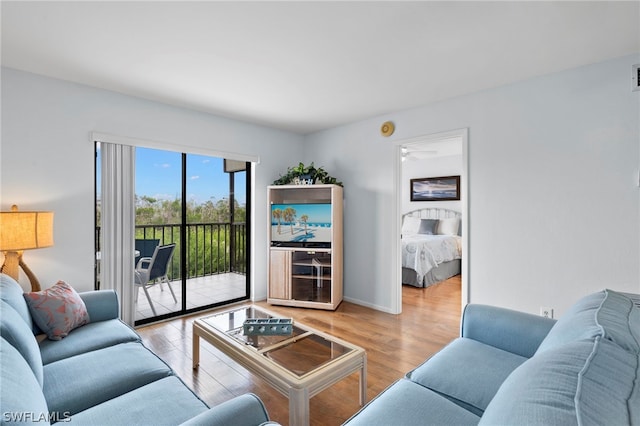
x=546 y=312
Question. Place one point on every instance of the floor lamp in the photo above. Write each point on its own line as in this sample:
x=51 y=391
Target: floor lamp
x=21 y=231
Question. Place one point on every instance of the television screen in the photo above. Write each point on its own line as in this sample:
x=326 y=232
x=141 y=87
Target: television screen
x=301 y=224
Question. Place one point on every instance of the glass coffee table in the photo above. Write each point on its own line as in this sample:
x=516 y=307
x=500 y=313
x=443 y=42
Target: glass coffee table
x=299 y=365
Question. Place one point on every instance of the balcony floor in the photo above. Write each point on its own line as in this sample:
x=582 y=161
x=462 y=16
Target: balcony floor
x=200 y=292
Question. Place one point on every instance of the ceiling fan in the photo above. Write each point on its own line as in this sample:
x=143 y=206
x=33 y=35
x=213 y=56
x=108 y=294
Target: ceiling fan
x=417 y=153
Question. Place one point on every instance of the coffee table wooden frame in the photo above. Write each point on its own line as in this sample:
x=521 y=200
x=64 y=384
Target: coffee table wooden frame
x=297 y=388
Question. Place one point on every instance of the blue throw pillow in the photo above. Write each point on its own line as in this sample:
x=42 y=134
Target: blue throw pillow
x=428 y=226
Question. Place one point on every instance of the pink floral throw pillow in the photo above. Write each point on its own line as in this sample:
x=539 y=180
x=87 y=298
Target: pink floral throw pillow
x=57 y=310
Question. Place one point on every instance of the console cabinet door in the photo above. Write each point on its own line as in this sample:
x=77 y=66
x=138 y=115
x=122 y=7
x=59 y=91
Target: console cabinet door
x=280 y=274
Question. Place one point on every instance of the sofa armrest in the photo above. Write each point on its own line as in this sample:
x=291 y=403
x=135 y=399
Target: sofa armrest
x=102 y=305
x=513 y=331
x=245 y=409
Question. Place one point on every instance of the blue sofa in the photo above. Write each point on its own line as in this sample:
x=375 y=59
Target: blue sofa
x=513 y=368
x=99 y=374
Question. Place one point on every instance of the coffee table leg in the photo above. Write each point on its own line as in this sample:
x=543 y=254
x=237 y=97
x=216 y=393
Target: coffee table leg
x=196 y=350
x=363 y=382
x=298 y=407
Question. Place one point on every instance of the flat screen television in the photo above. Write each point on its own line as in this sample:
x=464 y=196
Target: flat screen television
x=301 y=225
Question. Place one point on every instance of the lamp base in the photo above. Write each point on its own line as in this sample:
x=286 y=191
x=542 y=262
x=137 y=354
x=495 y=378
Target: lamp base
x=12 y=263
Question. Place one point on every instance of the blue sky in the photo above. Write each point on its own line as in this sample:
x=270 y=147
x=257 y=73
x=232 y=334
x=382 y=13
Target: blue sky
x=158 y=176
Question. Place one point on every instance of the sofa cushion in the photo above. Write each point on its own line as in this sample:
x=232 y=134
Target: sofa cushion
x=582 y=382
x=20 y=392
x=87 y=338
x=607 y=313
x=77 y=383
x=503 y=328
x=57 y=310
x=164 y=402
x=17 y=333
x=454 y=372
x=245 y=409
x=408 y=403
x=11 y=292
x=102 y=305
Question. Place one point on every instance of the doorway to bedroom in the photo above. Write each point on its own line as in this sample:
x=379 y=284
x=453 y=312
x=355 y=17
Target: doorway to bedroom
x=431 y=196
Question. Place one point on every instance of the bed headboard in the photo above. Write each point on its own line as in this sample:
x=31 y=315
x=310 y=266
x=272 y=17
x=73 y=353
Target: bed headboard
x=433 y=213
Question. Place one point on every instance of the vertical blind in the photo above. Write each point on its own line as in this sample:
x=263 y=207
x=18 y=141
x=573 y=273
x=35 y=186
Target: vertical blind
x=118 y=224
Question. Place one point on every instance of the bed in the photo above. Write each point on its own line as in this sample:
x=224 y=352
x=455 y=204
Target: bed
x=431 y=246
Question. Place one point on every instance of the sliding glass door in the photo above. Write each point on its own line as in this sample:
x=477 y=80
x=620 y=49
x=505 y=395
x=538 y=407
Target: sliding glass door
x=198 y=205
x=216 y=227
x=158 y=223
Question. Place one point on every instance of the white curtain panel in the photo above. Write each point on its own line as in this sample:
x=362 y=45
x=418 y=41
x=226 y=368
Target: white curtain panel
x=118 y=224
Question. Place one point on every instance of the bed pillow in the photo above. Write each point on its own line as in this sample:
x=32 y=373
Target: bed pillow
x=57 y=310
x=410 y=225
x=428 y=226
x=448 y=226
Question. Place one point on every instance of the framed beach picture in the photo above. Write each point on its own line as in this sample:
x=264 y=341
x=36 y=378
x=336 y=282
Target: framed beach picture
x=443 y=188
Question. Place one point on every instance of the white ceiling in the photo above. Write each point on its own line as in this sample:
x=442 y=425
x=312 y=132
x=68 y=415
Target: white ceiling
x=306 y=66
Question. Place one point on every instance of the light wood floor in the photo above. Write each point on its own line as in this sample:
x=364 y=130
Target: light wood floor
x=395 y=344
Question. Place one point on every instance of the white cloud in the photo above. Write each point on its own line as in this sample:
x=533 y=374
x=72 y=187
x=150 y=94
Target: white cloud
x=165 y=197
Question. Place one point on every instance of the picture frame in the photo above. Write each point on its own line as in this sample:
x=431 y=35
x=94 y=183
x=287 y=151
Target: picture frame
x=442 y=188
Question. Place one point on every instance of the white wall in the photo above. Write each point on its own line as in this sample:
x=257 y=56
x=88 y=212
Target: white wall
x=450 y=165
x=553 y=169
x=554 y=203
x=47 y=161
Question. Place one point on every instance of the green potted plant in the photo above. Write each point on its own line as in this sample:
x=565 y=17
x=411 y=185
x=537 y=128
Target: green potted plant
x=308 y=175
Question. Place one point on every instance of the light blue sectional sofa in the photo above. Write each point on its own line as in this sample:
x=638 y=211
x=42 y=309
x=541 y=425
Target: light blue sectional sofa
x=100 y=374
x=513 y=368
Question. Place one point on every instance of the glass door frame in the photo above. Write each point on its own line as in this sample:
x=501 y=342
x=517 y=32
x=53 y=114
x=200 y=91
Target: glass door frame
x=248 y=161
x=183 y=247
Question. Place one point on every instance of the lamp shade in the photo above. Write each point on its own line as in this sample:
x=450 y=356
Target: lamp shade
x=25 y=230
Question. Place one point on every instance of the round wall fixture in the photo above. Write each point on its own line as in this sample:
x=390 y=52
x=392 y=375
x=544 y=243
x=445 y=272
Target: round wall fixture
x=387 y=128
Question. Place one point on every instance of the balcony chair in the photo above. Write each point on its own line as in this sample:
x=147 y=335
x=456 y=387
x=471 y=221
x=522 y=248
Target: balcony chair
x=146 y=248
x=153 y=270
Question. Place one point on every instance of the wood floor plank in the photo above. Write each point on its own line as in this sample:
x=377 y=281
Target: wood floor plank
x=395 y=344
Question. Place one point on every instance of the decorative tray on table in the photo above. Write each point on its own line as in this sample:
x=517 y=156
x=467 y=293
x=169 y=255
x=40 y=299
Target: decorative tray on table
x=267 y=327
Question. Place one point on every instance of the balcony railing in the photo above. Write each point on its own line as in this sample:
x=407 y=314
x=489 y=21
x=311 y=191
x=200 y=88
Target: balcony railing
x=212 y=248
